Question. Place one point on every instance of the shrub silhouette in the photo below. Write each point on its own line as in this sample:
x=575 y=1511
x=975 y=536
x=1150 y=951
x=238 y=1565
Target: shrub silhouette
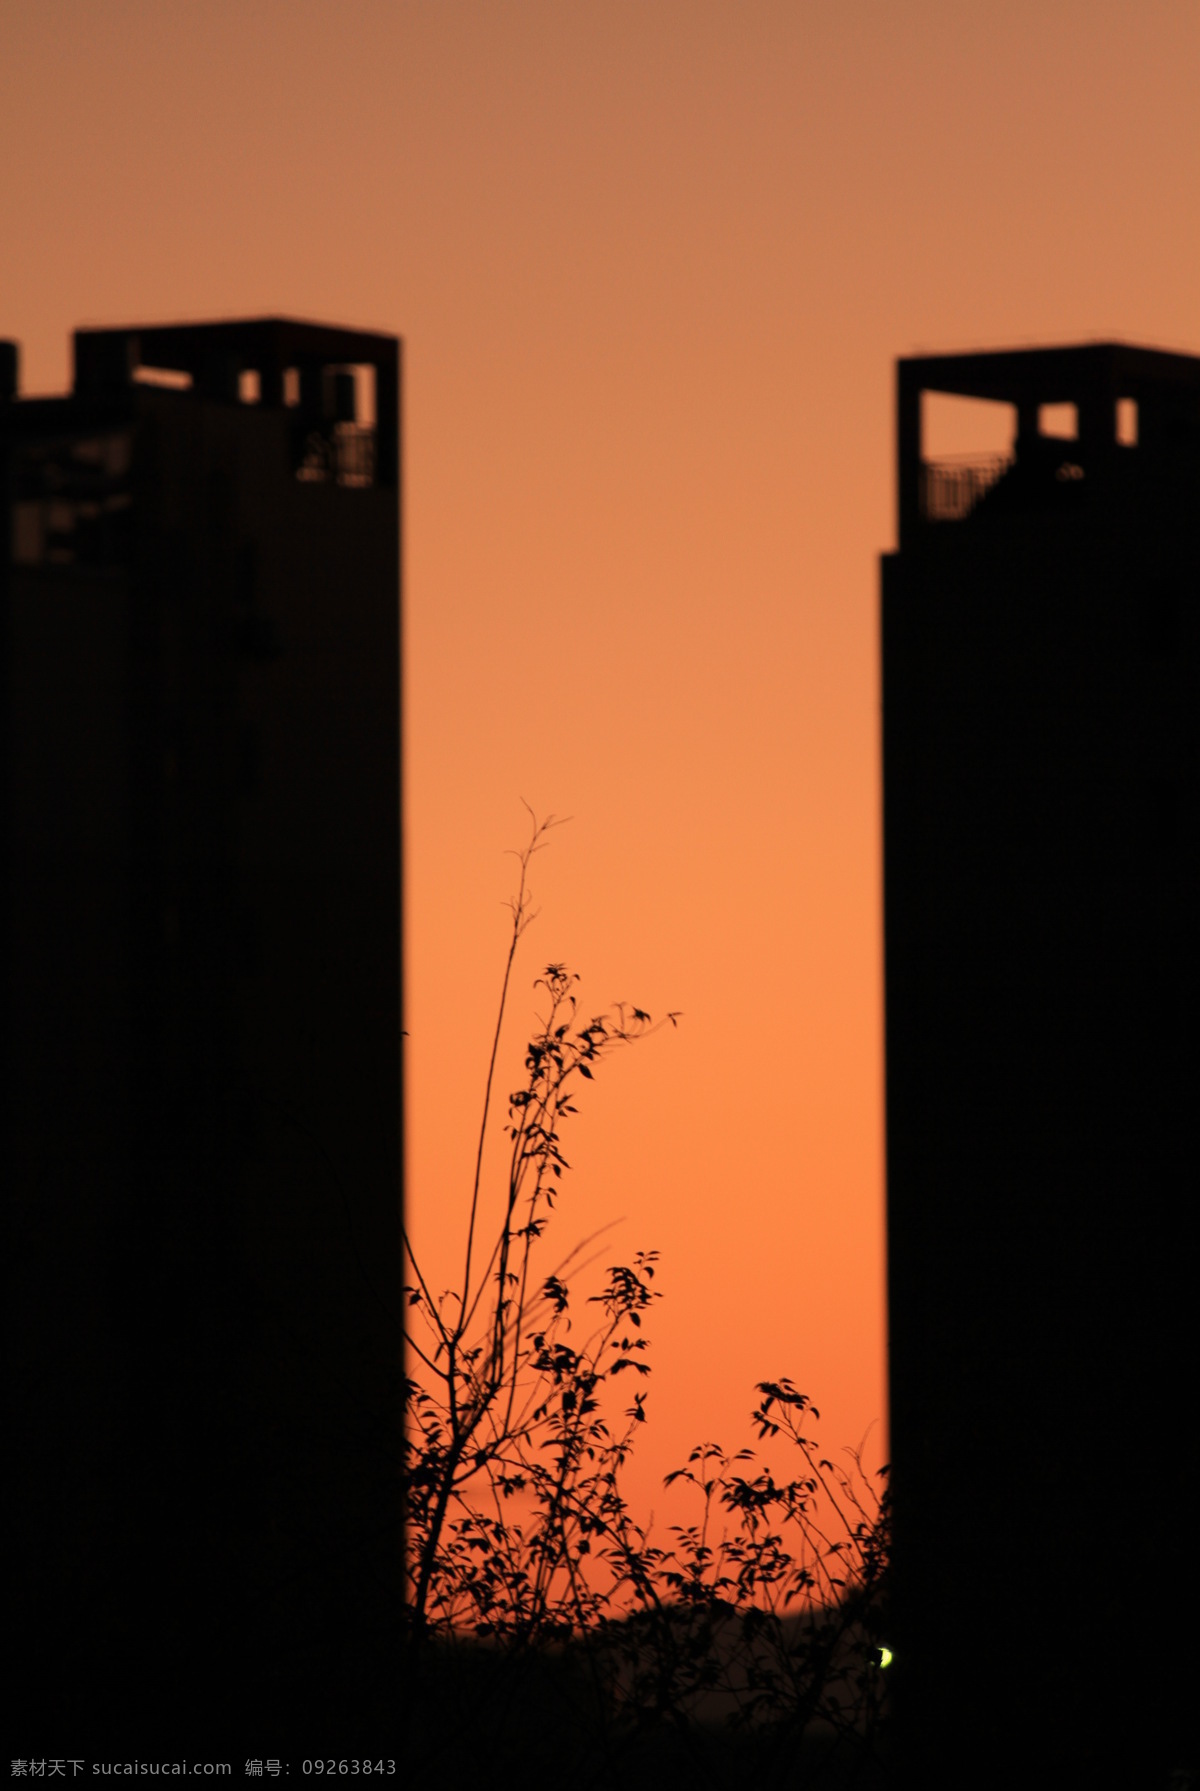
x=543 y=1625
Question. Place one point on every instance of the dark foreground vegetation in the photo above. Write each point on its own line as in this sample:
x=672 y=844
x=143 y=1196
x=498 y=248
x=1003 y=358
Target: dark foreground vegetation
x=545 y=1630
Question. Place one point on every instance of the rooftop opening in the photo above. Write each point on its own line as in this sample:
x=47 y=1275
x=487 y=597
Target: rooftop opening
x=953 y=428
x=363 y=374
x=1059 y=422
x=168 y=379
x=337 y=405
x=966 y=446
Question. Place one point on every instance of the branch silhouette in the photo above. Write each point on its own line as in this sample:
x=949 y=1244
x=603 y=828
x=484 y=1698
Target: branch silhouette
x=755 y=1632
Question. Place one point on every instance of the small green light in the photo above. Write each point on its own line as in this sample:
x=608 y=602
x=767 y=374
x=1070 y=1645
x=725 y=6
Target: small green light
x=885 y=1657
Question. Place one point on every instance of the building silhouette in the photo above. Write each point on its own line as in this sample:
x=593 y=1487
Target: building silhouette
x=201 y=1077
x=1041 y=758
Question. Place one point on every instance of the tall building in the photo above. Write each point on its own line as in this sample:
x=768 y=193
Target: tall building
x=1041 y=761
x=201 y=1031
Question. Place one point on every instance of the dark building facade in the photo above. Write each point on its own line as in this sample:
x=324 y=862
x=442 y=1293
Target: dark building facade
x=201 y=1069
x=1041 y=760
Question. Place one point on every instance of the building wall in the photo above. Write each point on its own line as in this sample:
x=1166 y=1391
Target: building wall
x=202 y=775
x=1041 y=668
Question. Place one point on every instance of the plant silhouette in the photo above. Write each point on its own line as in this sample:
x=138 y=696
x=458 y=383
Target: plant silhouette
x=543 y=1624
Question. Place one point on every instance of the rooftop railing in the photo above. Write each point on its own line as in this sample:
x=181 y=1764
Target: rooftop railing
x=342 y=454
x=950 y=489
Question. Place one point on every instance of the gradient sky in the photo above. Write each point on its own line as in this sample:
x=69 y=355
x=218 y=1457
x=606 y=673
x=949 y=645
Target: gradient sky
x=653 y=261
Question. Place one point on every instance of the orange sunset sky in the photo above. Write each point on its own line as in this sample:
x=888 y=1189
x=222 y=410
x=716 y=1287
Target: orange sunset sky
x=653 y=261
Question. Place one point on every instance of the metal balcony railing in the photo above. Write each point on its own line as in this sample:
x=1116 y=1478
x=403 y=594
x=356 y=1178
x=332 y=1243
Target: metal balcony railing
x=950 y=489
x=341 y=454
